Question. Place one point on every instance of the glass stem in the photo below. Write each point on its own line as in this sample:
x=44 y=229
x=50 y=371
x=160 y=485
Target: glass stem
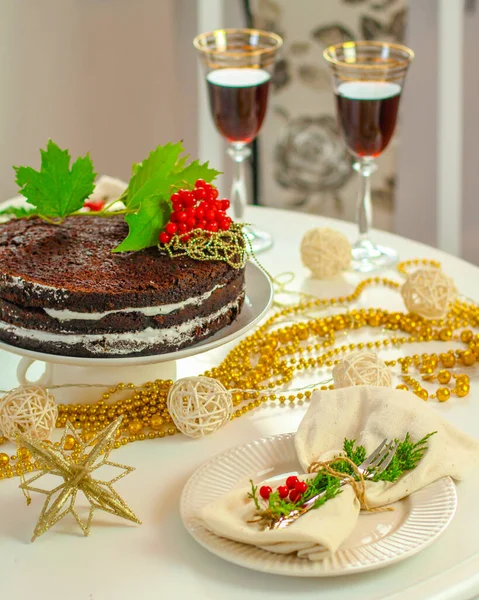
x=365 y=167
x=239 y=152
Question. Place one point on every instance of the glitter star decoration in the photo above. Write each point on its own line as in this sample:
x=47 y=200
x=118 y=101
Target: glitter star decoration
x=77 y=476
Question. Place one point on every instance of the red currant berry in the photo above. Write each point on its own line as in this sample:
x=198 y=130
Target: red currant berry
x=164 y=237
x=171 y=228
x=301 y=487
x=177 y=205
x=224 y=225
x=212 y=226
x=214 y=193
x=200 y=183
x=199 y=212
x=182 y=228
x=175 y=197
x=201 y=225
x=190 y=212
x=225 y=204
x=189 y=201
x=283 y=491
x=181 y=217
x=265 y=491
x=209 y=197
x=291 y=482
x=191 y=223
x=210 y=215
x=208 y=187
x=294 y=495
x=199 y=193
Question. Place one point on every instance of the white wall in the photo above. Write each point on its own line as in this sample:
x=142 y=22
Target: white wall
x=113 y=77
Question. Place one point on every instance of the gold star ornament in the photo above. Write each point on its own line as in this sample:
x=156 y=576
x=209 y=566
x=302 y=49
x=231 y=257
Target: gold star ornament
x=76 y=471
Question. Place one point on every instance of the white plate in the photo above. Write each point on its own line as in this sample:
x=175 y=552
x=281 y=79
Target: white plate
x=379 y=539
x=258 y=299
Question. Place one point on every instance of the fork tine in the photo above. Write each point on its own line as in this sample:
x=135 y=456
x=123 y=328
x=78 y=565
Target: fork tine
x=379 y=459
x=373 y=455
x=387 y=461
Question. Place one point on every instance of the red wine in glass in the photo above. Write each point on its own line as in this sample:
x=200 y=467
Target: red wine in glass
x=367 y=112
x=238 y=100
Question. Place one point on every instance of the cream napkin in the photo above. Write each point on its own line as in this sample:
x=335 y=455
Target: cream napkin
x=367 y=414
x=370 y=414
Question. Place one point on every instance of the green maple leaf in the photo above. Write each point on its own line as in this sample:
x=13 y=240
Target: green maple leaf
x=145 y=224
x=149 y=190
x=56 y=190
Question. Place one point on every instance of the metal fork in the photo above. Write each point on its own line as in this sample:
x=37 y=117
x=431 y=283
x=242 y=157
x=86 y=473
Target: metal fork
x=375 y=463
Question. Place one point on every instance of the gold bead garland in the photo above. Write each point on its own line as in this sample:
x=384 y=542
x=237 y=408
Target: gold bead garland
x=262 y=365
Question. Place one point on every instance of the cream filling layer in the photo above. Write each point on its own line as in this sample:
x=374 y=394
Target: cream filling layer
x=149 y=311
x=123 y=343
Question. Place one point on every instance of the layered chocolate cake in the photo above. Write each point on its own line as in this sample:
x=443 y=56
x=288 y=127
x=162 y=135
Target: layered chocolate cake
x=63 y=291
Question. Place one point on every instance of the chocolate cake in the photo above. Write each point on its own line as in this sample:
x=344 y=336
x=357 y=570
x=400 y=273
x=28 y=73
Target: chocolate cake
x=63 y=291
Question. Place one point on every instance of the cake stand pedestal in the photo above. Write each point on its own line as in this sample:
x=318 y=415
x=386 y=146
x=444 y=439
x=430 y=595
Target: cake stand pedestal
x=61 y=374
x=76 y=374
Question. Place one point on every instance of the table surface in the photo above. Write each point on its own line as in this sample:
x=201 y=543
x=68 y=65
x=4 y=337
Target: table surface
x=159 y=559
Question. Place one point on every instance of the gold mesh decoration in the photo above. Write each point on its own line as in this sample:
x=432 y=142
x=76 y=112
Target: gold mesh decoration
x=227 y=246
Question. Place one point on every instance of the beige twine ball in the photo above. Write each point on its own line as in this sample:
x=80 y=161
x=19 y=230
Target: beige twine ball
x=428 y=293
x=199 y=405
x=325 y=252
x=361 y=368
x=29 y=409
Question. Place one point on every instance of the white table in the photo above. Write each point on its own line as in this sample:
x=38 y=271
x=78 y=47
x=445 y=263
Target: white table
x=159 y=559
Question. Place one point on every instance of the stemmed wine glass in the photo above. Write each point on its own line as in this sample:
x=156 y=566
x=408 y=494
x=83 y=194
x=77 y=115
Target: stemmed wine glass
x=368 y=79
x=239 y=64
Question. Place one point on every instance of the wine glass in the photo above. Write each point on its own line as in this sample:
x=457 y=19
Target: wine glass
x=239 y=65
x=368 y=78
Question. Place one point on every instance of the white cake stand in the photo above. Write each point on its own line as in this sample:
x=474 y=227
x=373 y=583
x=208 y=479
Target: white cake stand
x=61 y=370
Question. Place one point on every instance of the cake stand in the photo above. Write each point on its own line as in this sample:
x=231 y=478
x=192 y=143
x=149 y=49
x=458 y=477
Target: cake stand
x=65 y=370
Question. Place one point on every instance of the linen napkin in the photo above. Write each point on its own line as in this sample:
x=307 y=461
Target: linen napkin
x=368 y=415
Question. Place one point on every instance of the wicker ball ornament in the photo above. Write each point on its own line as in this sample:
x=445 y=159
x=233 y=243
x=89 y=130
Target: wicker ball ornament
x=428 y=293
x=199 y=405
x=325 y=252
x=362 y=368
x=29 y=409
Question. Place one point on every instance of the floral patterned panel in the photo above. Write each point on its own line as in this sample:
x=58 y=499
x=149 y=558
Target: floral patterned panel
x=303 y=161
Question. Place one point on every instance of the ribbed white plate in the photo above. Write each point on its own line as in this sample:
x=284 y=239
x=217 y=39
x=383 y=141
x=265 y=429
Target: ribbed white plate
x=379 y=539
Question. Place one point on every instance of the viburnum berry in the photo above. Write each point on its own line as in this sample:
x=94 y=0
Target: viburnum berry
x=283 y=491
x=212 y=226
x=224 y=225
x=225 y=203
x=181 y=216
x=182 y=228
x=164 y=237
x=199 y=193
x=294 y=495
x=175 y=197
x=214 y=193
x=291 y=482
x=200 y=183
x=301 y=487
x=265 y=492
x=201 y=224
x=191 y=223
x=171 y=228
x=185 y=238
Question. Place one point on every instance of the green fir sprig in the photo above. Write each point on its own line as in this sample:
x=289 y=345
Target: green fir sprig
x=406 y=457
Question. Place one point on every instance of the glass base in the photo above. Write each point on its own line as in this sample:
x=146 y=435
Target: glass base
x=367 y=257
x=259 y=240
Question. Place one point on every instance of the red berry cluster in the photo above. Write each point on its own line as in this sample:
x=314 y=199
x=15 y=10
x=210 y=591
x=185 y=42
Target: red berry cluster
x=199 y=208
x=293 y=489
